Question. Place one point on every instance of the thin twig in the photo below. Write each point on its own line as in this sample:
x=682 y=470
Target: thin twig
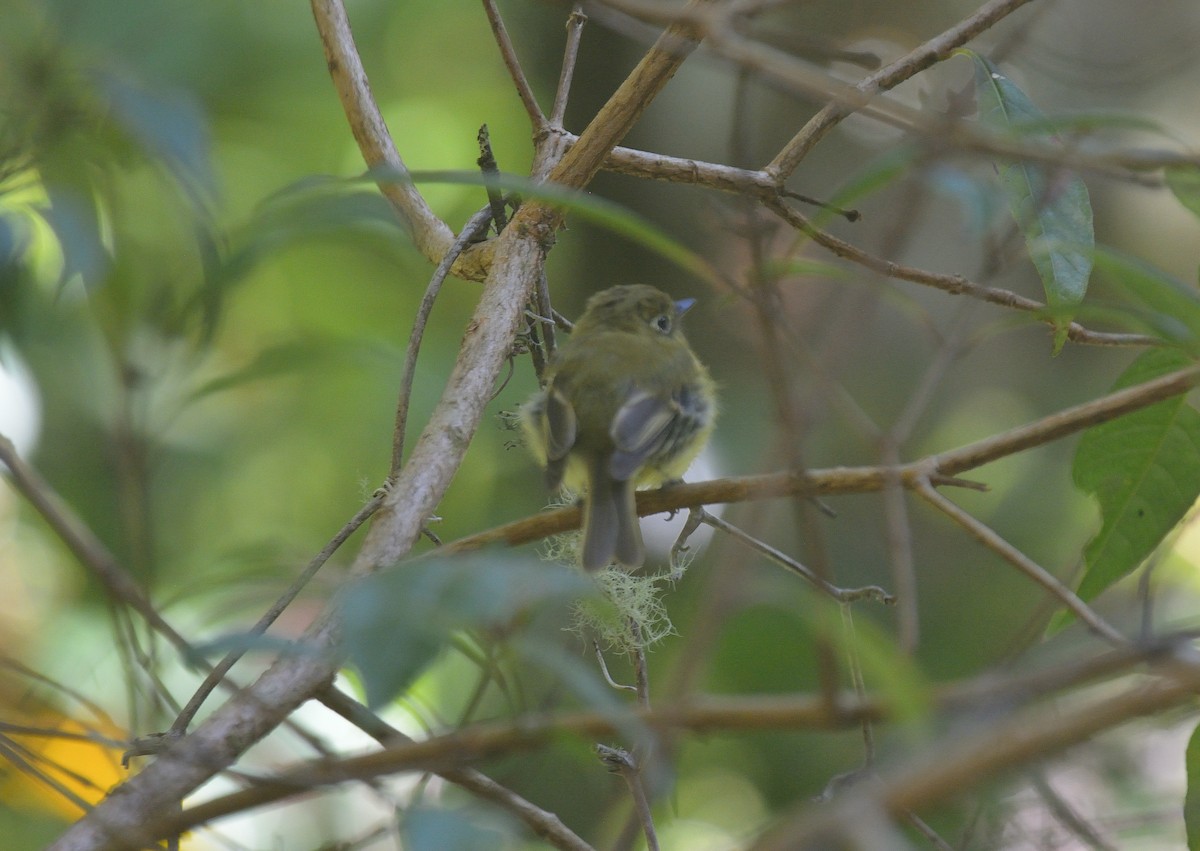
x=546 y=308
x=641 y=670
x=767 y=302
x=84 y=544
x=1145 y=593
x=1066 y=815
x=575 y=22
x=929 y=778
x=841 y=595
x=988 y=537
x=898 y=535
x=528 y=99
x=491 y=171
x=608 y=678
x=925 y=829
x=854 y=666
x=932 y=51
x=542 y=822
x=677 y=559
x=622 y=762
x=953 y=284
x=939 y=469
x=725 y=178
x=431 y=235
x=217 y=674
x=895 y=506
x=475 y=227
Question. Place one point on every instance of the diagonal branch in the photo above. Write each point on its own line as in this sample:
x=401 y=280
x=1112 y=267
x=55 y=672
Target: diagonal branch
x=431 y=235
x=509 y=54
x=953 y=284
x=934 y=50
x=965 y=761
x=84 y=545
x=618 y=115
x=518 y=255
x=1031 y=729
x=988 y=537
x=845 y=480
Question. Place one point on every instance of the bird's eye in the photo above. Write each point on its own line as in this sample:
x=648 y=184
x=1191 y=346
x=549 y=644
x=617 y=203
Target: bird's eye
x=663 y=323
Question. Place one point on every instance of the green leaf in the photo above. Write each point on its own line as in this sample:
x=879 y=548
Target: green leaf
x=1191 y=799
x=169 y=126
x=1144 y=470
x=396 y=621
x=1184 y=181
x=1161 y=304
x=1051 y=206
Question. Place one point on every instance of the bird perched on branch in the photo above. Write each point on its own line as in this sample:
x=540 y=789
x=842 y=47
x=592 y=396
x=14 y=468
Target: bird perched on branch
x=626 y=405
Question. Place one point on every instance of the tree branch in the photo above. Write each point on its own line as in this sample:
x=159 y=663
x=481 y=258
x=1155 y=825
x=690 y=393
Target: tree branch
x=934 y=50
x=517 y=256
x=943 y=773
x=953 y=284
x=845 y=480
x=431 y=235
x=1029 y=730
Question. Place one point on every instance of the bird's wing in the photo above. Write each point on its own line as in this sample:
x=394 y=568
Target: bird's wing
x=560 y=430
x=638 y=431
x=561 y=427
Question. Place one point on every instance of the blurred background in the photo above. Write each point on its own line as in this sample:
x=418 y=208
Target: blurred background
x=201 y=338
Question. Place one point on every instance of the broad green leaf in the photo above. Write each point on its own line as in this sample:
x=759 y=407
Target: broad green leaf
x=1051 y=206
x=1161 y=304
x=395 y=622
x=1144 y=470
x=75 y=220
x=169 y=125
x=1185 y=183
x=1191 y=798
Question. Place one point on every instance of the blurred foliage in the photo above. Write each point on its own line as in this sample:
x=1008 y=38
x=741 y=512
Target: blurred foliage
x=1051 y=207
x=394 y=622
x=214 y=301
x=1144 y=470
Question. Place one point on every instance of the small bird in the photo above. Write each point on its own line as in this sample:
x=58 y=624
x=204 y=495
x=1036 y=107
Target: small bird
x=625 y=405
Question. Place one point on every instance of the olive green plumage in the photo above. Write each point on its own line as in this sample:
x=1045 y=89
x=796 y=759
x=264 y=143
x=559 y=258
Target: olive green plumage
x=626 y=405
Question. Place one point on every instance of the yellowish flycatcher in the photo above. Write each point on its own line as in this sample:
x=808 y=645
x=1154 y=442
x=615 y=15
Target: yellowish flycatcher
x=625 y=405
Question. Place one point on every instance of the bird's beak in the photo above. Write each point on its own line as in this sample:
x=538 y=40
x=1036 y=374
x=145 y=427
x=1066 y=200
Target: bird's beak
x=683 y=306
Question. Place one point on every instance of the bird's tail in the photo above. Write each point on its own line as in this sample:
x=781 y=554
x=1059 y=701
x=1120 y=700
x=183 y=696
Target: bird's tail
x=610 y=524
